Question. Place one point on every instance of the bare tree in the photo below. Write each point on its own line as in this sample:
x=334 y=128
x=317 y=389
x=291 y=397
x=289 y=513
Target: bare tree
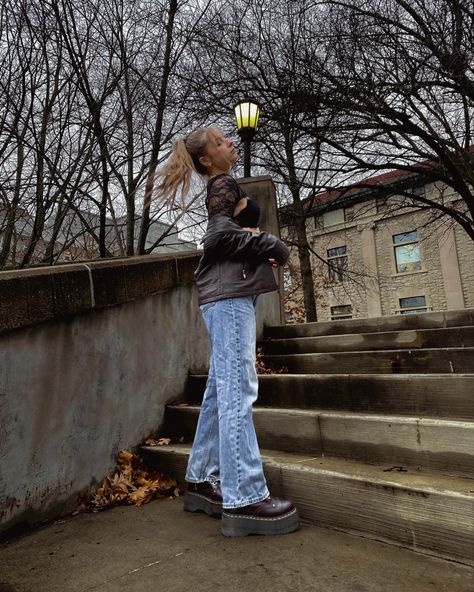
x=401 y=74
x=90 y=103
x=13 y=96
x=83 y=26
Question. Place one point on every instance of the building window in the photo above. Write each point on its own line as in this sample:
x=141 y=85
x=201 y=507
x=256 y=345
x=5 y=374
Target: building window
x=413 y=305
x=339 y=216
x=338 y=264
x=333 y=217
x=341 y=313
x=407 y=252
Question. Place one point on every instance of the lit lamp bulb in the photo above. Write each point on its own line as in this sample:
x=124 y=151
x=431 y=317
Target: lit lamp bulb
x=247 y=113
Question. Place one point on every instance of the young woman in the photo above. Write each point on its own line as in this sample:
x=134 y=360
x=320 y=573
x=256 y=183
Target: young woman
x=224 y=474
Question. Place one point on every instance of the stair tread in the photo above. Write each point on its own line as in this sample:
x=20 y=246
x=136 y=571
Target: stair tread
x=420 y=481
x=372 y=352
x=405 y=376
x=379 y=334
x=428 y=320
x=424 y=420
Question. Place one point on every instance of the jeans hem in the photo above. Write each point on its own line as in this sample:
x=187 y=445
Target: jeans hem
x=246 y=503
x=211 y=480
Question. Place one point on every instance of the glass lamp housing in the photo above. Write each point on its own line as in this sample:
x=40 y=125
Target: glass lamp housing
x=247 y=113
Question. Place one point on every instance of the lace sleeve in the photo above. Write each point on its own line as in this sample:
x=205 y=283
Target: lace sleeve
x=223 y=193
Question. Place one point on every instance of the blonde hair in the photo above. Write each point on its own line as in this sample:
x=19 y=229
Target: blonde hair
x=176 y=173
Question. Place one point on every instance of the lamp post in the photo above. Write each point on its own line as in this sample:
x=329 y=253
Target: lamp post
x=247 y=113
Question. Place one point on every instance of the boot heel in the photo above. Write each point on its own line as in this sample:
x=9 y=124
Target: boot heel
x=192 y=503
x=197 y=503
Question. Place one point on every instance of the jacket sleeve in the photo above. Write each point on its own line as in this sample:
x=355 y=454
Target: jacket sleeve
x=252 y=247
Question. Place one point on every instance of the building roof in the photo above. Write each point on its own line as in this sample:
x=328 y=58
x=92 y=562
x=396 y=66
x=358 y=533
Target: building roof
x=366 y=187
x=363 y=188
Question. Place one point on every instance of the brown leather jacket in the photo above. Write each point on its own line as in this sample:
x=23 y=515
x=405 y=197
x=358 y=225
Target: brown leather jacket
x=235 y=261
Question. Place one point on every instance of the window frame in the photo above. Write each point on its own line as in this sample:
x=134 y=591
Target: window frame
x=343 y=316
x=404 y=310
x=332 y=259
x=398 y=245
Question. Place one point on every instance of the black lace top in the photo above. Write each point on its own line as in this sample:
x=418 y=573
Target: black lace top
x=223 y=193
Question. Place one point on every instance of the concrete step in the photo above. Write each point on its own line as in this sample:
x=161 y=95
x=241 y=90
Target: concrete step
x=409 y=339
x=423 y=512
x=414 y=361
x=430 y=395
x=417 y=443
x=427 y=320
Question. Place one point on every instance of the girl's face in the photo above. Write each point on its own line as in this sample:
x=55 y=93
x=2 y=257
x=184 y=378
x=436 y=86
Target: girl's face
x=220 y=153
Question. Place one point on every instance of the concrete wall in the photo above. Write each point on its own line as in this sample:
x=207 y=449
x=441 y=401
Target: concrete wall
x=89 y=356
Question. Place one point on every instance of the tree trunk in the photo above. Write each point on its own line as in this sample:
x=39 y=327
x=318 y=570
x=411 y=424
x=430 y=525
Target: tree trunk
x=10 y=226
x=131 y=189
x=150 y=180
x=302 y=240
x=305 y=261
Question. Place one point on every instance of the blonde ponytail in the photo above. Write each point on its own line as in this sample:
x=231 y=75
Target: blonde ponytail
x=176 y=173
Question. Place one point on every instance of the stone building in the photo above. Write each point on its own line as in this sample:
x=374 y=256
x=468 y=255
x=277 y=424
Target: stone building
x=380 y=256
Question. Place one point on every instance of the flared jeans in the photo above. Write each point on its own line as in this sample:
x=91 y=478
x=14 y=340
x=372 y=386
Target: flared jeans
x=225 y=447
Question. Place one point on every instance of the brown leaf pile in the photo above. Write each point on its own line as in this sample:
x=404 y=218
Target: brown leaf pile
x=132 y=484
x=157 y=442
x=263 y=368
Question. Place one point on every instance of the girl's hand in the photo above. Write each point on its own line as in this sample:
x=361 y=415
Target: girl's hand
x=273 y=263
x=251 y=229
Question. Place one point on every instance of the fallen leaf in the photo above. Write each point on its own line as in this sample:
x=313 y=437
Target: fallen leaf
x=124 y=457
x=157 y=442
x=133 y=483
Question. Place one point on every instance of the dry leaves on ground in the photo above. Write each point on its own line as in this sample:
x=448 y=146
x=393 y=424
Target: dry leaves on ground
x=132 y=484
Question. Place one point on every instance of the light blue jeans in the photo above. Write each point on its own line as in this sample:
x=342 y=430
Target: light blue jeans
x=225 y=447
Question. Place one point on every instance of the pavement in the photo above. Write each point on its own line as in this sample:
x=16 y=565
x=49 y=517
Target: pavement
x=160 y=548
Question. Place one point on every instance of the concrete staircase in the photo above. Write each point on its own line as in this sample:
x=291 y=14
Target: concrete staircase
x=370 y=432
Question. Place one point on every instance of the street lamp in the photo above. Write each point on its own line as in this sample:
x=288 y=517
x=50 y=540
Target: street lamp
x=247 y=113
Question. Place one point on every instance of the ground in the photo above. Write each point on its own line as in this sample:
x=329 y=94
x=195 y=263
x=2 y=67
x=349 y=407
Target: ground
x=160 y=548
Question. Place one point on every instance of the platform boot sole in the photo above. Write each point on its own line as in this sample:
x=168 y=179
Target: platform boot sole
x=234 y=525
x=193 y=502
